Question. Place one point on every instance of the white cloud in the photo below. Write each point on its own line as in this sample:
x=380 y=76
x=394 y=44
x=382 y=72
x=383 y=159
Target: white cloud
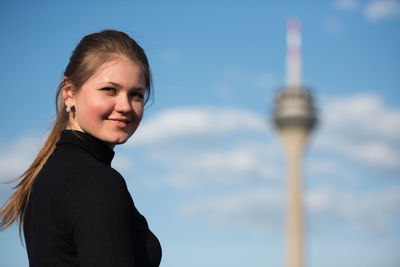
x=374 y=10
x=382 y=9
x=256 y=210
x=364 y=115
x=202 y=145
x=15 y=158
x=365 y=211
x=327 y=207
x=238 y=165
x=328 y=169
x=379 y=154
x=177 y=123
x=363 y=129
x=359 y=127
x=122 y=163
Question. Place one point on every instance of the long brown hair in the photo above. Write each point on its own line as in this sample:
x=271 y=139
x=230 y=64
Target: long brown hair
x=89 y=55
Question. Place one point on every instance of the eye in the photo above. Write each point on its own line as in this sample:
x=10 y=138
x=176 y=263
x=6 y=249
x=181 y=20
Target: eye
x=139 y=95
x=109 y=90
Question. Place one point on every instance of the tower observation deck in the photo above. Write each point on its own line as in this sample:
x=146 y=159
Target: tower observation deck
x=294 y=116
x=295 y=108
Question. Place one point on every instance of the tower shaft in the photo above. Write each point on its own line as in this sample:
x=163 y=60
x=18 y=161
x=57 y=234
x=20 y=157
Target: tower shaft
x=294 y=140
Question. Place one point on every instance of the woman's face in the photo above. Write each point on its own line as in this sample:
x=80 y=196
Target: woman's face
x=109 y=104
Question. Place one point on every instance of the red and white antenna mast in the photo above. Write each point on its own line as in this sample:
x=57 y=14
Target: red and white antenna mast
x=293 y=55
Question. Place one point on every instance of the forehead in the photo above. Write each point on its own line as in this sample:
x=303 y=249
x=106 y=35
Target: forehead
x=119 y=70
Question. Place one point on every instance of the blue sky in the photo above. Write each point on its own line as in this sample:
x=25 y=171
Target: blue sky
x=206 y=167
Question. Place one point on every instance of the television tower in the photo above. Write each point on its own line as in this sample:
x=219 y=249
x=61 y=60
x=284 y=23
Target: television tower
x=294 y=116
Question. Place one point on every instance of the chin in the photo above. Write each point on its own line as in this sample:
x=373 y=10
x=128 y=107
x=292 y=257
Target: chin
x=119 y=140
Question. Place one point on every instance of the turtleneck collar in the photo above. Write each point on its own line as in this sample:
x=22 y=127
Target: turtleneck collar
x=97 y=148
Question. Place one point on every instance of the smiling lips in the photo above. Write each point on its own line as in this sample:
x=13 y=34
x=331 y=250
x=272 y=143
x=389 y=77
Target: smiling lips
x=120 y=123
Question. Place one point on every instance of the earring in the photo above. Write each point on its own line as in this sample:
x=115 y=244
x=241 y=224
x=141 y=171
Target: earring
x=68 y=109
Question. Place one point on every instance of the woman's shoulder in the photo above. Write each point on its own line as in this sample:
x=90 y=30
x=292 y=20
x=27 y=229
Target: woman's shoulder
x=77 y=172
x=96 y=194
x=100 y=174
x=93 y=187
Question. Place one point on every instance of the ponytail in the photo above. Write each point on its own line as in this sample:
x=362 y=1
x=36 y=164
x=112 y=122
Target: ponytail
x=14 y=208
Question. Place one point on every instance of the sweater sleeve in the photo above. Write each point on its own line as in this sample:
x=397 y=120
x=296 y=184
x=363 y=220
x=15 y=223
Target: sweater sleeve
x=100 y=216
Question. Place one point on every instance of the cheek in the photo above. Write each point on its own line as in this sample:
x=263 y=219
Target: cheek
x=93 y=109
x=138 y=109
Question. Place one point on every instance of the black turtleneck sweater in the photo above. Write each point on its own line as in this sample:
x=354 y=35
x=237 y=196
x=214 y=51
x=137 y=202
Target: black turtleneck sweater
x=80 y=212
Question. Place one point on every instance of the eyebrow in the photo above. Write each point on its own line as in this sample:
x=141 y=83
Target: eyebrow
x=120 y=86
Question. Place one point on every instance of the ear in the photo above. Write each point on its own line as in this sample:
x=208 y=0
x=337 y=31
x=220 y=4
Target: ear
x=68 y=93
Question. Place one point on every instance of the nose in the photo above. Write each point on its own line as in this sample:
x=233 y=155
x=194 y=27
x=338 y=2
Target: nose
x=123 y=104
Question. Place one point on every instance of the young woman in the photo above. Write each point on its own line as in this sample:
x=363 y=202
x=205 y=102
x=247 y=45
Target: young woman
x=74 y=208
